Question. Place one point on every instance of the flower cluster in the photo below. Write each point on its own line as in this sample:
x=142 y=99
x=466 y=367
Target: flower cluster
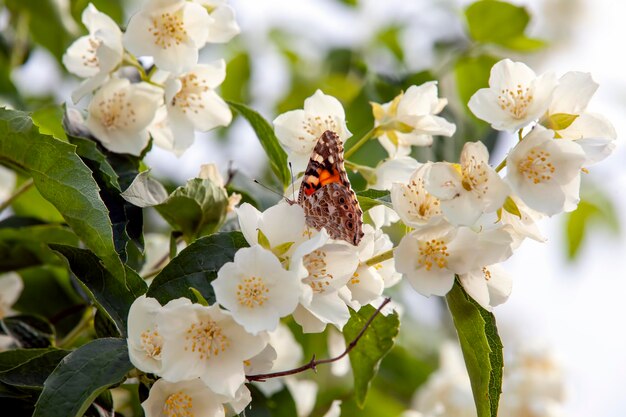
x=170 y=101
x=465 y=217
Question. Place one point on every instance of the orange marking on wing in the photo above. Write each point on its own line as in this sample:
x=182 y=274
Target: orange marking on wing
x=327 y=177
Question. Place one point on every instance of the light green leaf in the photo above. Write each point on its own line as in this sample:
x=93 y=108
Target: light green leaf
x=112 y=295
x=524 y=44
x=199 y=297
x=63 y=179
x=560 y=121
x=82 y=376
x=235 y=86
x=472 y=74
x=482 y=349
x=510 y=206
x=112 y=8
x=196 y=209
x=50 y=122
x=375 y=343
x=195 y=267
x=263 y=240
x=145 y=191
x=264 y=131
x=496 y=21
x=372 y=198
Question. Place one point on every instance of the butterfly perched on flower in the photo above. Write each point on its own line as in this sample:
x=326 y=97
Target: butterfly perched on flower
x=325 y=193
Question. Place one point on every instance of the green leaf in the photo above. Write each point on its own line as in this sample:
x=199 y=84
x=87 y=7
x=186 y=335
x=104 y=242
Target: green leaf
x=472 y=74
x=195 y=267
x=199 y=298
x=263 y=240
x=524 y=44
x=269 y=141
x=45 y=23
x=29 y=331
x=110 y=294
x=236 y=84
x=32 y=204
x=560 y=121
x=24 y=242
x=63 y=179
x=495 y=21
x=482 y=349
x=389 y=37
x=82 y=376
x=145 y=191
x=197 y=209
x=372 y=347
x=510 y=206
x=31 y=366
x=372 y=198
x=112 y=8
x=50 y=122
x=281 y=404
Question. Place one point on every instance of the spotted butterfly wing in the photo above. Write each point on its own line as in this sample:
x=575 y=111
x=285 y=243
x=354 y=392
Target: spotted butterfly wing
x=325 y=194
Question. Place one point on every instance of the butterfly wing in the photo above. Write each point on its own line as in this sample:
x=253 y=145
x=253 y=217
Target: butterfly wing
x=326 y=195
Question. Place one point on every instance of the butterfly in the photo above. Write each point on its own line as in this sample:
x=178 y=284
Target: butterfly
x=325 y=193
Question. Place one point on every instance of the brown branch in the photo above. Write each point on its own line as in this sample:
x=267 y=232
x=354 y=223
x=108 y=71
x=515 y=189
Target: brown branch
x=312 y=364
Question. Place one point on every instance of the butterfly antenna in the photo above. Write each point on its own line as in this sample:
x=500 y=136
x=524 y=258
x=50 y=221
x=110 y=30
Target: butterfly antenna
x=293 y=184
x=268 y=188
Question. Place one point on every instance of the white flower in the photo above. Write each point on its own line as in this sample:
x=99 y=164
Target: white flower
x=489 y=286
x=593 y=132
x=120 y=113
x=7 y=182
x=429 y=260
x=334 y=410
x=467 y=190
x=145 y=343
x=515 y=97
x=336 y=346
x=256 y=289
x=206 y=342
x=410 y=119
x=96 y=55
x=303 y=392
x=545 y=172
x=192 y=104
x=171 y=31
x=523 y=226
x=11 y=287
x=223 y=25
x=416 y=206
x=298 y=130
x=393 y=170
x=185 y=398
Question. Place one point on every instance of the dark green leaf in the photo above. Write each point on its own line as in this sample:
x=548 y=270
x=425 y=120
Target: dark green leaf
x=372 y=198
x=32 y=204
x=111 y=294
x=269 y=141
x=496 y=21
x=63 y=179
x=196 y=266
x=472 y=74
x=82 y=376
x=281 y=404
x=197 y=209
x=29 y=331
x=371 y=348
x=31 y=370
x=482 y=349
x=26 y=244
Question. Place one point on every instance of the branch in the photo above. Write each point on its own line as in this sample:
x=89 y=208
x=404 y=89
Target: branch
x=312 y=364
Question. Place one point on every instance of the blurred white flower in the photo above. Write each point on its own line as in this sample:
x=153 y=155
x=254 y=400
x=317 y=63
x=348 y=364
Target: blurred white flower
x=184 y=398
x=11 y=287
x=298 y=130
x=410 y=119
x=489 y=286
x=256 y=289
x=394 y=170
x=336 y=346
x=516 y=96
x=191 y=104
x=522 y=226
x=303 y=392
x=334 y=410
x=417 y=207
x=223 y=26
x=206 y=342
x=7 y=182
x=430 y=260
x=119 y=115
x=469 y=189
x=96 y=55
x=171 y=31
x=593 y=132
x=545 y=172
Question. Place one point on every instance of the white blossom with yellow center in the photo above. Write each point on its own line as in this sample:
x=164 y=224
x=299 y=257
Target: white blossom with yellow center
x=298 y=130
x=190 y=398
x=171 y=31
x=95 y=55
x=256 y=289
x=489 y=285
x=516 y=96
x=191 y=104
x=545 y=172
x=469 y=189
x=207 y=343
x=430 y=259
x=120 y=113
x=223 y=25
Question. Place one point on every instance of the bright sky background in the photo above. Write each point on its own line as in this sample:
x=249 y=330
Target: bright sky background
x=575 y=309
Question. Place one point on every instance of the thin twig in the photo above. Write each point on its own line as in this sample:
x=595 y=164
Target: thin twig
x=312 y=364
x=18 y=192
